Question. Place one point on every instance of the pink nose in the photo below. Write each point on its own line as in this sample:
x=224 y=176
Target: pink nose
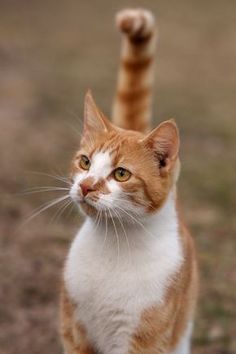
x=86 y=188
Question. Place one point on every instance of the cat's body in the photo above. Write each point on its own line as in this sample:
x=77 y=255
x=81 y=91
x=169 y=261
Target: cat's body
x=114 y=293
x=130 y=279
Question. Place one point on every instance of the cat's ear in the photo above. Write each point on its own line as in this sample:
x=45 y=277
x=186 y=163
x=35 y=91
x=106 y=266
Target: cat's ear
x=94 y=119
x=164 y=141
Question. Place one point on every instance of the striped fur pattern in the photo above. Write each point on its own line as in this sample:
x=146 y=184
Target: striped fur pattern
x=132 y=106
x=130 y=278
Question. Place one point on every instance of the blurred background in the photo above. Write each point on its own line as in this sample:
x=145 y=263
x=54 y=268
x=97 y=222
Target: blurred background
x=50 y=53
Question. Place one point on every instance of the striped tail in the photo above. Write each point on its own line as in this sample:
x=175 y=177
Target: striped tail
x=133 y=101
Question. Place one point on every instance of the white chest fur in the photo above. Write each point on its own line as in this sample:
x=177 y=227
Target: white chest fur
x=112 y=281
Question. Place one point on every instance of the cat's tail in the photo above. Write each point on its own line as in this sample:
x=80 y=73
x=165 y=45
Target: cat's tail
x=133 y=100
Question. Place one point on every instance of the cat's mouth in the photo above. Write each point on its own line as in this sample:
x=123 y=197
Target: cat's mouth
x=85 y=201
x=89 y=207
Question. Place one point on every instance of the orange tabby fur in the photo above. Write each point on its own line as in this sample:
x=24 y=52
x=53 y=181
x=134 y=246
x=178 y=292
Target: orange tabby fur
x=132 y=106
x=161 y=327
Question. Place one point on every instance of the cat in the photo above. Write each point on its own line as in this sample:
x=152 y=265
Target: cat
x=130 y=279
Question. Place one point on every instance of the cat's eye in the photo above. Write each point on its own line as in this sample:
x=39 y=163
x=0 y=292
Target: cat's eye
x=84 y=162
x=121 y=174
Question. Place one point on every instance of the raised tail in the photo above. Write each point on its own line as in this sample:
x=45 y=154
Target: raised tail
x=133 y=100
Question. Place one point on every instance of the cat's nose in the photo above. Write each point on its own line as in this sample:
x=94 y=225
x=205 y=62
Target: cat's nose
x=86 y=188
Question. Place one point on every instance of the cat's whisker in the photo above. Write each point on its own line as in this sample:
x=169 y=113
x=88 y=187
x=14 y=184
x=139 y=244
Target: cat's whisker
x=70 y=210
x=56 y=177
x=117 y=238
x=79 y=120
x=44 y=207
x=131 y=212
x=106 y=230
x=60 y=211
x=136 y=213
x=103 y=212
x=75 y=130
x=97 y=220
x=61 y=178
x=76 y=117
x=142 y=202
x=137 y=221
x=43 y=189
x=57 y=172
x=125 y=233
x=80 y=132
x=121 y=223
x=109 y=205
x=124 y=200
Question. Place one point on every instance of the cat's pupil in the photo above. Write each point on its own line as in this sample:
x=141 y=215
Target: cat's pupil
x=162 y=162
x=86 y=160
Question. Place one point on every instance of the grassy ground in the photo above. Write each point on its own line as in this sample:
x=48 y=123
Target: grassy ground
x=50 y=53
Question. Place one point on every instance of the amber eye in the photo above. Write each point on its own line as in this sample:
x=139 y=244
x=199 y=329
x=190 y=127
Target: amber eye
x=84 y=162
x=121 y=174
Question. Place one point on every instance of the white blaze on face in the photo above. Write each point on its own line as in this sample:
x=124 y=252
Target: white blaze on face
x=101 y=167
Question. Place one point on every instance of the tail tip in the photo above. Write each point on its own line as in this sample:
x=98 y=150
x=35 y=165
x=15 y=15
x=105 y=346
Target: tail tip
x=139 y=23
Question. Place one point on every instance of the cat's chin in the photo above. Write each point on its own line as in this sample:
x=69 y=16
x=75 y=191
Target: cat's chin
x=88 y=209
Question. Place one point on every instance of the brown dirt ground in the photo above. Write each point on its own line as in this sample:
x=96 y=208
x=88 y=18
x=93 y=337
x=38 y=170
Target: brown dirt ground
x=50 y=53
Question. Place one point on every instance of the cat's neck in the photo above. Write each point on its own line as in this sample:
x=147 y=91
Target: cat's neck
x=153 y=236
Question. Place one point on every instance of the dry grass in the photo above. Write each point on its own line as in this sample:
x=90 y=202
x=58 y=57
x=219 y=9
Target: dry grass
x=50 y=53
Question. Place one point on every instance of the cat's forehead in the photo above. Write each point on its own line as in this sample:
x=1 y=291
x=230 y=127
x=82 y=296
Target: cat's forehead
x=114 y=148
x=101 y=164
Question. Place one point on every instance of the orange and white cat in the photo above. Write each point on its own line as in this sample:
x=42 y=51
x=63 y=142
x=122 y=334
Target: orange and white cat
x=130 y=278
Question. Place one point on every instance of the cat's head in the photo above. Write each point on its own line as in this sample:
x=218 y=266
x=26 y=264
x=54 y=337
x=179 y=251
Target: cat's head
x=123 y=172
